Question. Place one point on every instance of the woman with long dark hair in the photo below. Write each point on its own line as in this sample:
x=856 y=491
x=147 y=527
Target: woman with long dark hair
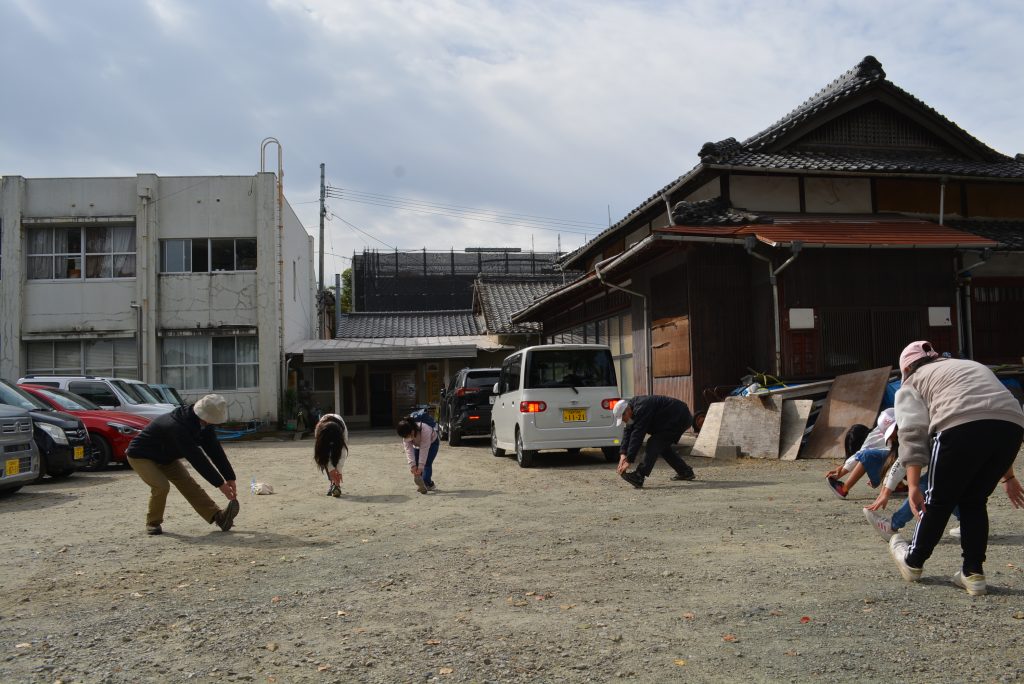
x=330 y=449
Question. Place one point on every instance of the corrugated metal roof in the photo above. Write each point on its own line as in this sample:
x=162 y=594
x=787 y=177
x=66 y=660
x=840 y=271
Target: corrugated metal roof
x=875 y=232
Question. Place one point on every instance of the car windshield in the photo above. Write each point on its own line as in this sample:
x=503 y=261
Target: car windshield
x=167 y=394
x=146 y=392
x=15 y=396
x=570 y=368
x=478 y=380
x=67 y=401
x=130 y=395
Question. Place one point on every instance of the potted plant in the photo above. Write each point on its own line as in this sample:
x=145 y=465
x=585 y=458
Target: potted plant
x=289 y=406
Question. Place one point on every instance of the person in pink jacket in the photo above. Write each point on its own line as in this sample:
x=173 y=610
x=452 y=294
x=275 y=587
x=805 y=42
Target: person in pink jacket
x=956 y=418
x=421 y=441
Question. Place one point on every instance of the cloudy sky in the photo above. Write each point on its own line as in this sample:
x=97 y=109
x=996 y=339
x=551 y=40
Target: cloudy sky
x=451 y=124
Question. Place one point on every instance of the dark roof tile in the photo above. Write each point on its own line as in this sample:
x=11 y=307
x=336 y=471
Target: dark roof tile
x=408 y=324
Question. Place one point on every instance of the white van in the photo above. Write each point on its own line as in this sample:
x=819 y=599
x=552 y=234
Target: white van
x=555 y=396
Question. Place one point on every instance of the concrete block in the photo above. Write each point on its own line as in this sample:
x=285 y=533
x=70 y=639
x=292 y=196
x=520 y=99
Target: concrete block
x=707 y=440
x=752 y=423
x=794 y=421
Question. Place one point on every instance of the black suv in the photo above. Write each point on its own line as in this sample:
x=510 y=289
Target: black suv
x=465 y=408
x=62 y=438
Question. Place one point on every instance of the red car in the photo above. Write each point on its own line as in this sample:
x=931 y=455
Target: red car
x=110 y=431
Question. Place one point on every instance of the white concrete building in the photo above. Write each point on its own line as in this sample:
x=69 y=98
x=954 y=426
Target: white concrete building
x=201 y=282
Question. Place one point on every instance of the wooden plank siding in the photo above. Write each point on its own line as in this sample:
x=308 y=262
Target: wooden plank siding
x=728 y=327
x=867 y=306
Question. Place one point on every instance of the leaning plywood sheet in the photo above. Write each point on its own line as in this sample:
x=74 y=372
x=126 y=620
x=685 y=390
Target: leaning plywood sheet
x=707 y=440
x=854 y=398
x=794 y=420
x=752 y=423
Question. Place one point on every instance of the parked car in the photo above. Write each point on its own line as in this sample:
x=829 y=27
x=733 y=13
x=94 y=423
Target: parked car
x=167 y=394
x=61 y=438
x=118 y=394
x=556 y=396
x=109 y=431
x=465 y=406
x=20 y=455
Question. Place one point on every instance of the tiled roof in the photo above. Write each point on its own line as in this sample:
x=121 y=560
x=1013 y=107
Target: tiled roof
x=1009 y=234
x=756 y=153
x=867 y=73
x=408 y=324
x=712 y=212
x=500 y=297
x=857 y=230
x=874 y=163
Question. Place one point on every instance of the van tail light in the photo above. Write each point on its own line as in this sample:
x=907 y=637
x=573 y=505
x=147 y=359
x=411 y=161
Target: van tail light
x=461 y=392
x=473 y=417
x=532 y=407
x=609 y=404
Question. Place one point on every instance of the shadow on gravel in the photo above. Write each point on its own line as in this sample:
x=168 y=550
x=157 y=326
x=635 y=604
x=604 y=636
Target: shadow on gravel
x=266 y=540
x=706 y=484
x=465 y=493
x=1006 y=539
x=76 y=481
x=37 y=498
x=375 y=498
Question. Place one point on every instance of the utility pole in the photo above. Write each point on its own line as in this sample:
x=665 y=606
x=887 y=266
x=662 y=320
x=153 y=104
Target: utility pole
x=321 y=297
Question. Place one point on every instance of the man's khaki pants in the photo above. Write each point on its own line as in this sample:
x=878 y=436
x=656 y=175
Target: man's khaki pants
x=160 y=477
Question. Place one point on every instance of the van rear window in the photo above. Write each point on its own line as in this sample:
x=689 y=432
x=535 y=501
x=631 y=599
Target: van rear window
x=570 y=368
x=476 y=381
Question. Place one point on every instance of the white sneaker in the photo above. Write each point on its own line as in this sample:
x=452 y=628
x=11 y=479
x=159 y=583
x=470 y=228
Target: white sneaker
x=974 y=584
x=898 y=548
x=955 y=532
x=880 y=523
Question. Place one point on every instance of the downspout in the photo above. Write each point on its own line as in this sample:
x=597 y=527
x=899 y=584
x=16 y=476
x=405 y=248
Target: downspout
x=967 y=333
x=795 y=246
x=647 y=323
x=280 y=253
x=942 y=200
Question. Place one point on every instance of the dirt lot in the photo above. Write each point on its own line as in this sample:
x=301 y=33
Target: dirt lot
x=561 y=573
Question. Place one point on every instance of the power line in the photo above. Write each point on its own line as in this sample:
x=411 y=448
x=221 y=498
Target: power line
x=357 y=228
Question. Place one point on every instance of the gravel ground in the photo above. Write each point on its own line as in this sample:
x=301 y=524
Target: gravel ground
x=560 y=573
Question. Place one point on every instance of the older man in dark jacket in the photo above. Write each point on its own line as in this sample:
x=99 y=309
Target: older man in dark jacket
x=186 y=432
x=664 y=419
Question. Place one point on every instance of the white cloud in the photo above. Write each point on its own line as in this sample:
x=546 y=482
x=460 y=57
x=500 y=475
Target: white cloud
x=552 y=109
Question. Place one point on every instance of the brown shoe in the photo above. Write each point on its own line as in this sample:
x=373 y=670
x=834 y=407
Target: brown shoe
x=226 y=518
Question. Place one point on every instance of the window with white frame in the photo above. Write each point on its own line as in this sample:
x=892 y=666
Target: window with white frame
x=205 y=255
x=203 y=363
x=76 y=252
x=110 y=358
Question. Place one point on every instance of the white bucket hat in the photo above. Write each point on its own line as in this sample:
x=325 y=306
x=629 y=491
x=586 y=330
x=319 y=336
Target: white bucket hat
x=213 y=409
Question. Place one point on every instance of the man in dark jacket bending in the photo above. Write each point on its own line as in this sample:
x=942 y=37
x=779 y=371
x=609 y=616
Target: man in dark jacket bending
x=664 y=419
x=186 y=432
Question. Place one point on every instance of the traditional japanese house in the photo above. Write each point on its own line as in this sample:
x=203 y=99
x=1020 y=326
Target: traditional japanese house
x=819 y=246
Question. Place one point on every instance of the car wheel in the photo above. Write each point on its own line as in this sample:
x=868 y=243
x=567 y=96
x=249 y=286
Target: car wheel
x=495 y=451
x=526 y=457
x=611 y=454
x=100 y=452
x=455 y=437
x=42 y=467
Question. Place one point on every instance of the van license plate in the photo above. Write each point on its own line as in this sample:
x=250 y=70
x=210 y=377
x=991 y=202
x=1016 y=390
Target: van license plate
x=79 y=453
x=574 y=415
x=12 y=467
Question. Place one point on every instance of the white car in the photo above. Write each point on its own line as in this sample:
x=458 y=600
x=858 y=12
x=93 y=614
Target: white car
x=119 y=394
x=555 y=396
